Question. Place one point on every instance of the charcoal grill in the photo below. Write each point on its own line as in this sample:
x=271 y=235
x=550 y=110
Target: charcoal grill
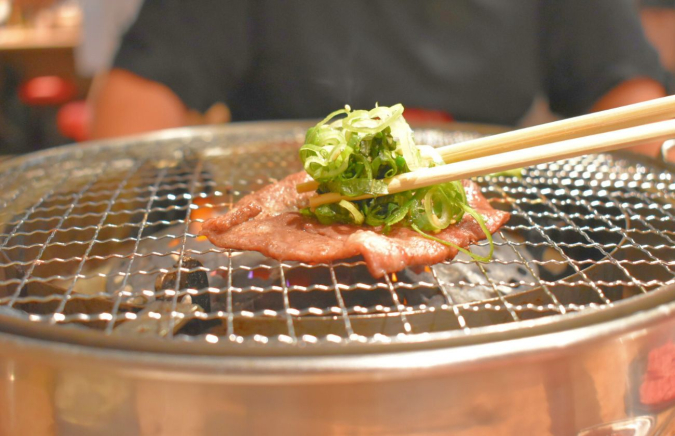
x=114 y=311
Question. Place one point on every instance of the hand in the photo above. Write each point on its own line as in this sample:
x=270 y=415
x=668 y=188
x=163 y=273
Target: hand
x=653 y=149
x=125 y=104
x=635 y=91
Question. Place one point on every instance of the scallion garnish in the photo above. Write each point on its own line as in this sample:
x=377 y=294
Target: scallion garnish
x=353 y=152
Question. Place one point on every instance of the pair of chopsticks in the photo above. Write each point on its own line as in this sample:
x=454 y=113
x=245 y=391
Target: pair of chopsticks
x=598 y=132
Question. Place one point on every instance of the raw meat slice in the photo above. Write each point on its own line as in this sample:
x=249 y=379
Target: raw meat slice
x=261 y=222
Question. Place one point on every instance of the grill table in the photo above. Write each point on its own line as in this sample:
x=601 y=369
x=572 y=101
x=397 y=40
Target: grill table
x=114 y=310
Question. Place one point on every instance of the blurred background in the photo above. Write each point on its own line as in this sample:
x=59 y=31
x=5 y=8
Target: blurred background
x=54 y=55
x=50 y=55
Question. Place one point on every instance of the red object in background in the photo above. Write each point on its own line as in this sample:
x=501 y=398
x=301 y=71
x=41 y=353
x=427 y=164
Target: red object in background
x=73 y=120
x=658 y=383
x=418 y=115
x=47 y=91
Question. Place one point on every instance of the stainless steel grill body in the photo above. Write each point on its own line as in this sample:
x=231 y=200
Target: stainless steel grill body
x=117 y=318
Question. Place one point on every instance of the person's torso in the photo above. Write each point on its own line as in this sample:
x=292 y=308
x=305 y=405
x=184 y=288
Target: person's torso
x=474 y=59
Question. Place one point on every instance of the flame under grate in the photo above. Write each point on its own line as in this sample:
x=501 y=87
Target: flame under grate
x=105 y=238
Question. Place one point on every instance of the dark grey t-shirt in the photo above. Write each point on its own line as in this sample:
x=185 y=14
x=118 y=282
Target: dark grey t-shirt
x=479 y=60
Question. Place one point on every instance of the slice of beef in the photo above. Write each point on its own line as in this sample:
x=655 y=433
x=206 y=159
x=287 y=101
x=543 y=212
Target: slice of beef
x=271 y=200
x=261 y=222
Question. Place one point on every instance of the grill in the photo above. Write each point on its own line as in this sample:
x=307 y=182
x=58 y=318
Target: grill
x=100 y=246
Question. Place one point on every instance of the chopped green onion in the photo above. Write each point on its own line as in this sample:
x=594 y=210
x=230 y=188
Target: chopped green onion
x=473 y=256
x=355 y=187
x=354 y=152
x=406 y=144
x=437 y=221
x=516 y=172
x=353 y=210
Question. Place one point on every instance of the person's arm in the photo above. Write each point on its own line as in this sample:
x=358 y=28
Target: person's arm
x=595 y=56
x=629 y=92
x=177 y=59
x=124 y=104
x=659 y=25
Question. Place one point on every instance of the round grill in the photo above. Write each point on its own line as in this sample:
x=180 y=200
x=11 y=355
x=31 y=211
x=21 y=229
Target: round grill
x=100 y=245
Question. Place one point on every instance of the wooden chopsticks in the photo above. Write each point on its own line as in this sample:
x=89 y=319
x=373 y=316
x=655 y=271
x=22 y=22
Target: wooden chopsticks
x=599 y=122
x=594 y=133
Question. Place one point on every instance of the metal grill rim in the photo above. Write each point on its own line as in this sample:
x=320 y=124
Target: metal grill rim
x=644 y=228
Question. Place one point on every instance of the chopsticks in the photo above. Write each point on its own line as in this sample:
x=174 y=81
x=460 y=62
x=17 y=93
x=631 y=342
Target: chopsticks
x=599 y=122
x=535 y=145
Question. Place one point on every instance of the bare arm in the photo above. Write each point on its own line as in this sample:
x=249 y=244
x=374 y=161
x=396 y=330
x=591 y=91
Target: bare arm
x=633 y=91
x=659 y=25
x=125 y=103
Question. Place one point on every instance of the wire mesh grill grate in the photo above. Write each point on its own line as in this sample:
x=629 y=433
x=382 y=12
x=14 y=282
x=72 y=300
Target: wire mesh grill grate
x=105 y=238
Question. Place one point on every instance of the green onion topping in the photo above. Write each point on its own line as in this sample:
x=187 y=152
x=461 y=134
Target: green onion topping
x=354 y=152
